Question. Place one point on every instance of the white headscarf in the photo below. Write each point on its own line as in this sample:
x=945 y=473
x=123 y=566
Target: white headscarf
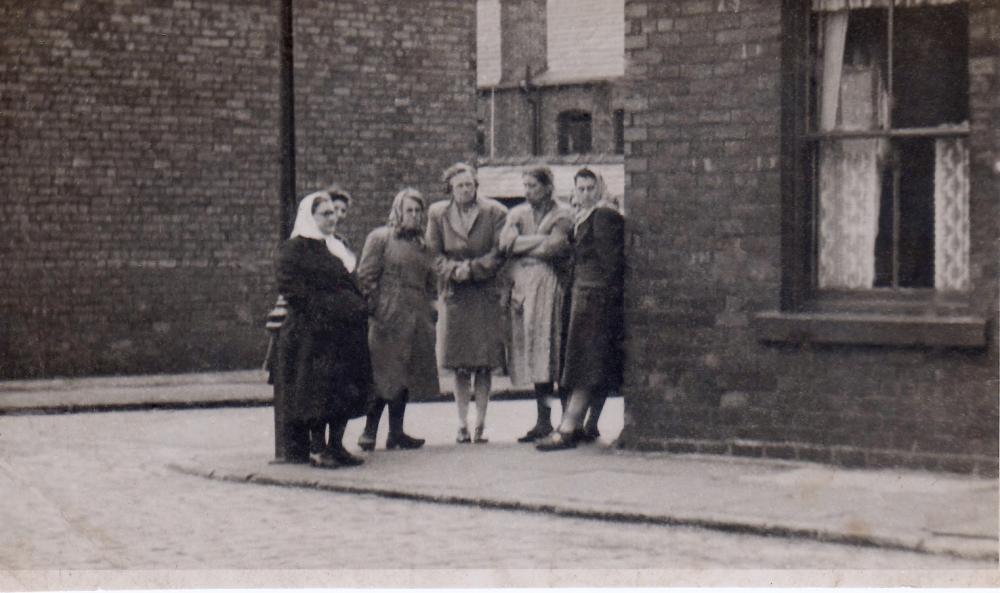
x=305 y=226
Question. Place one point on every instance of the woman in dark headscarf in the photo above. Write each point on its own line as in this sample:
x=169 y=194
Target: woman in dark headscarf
x=324 y=372
x=397 y=277
x=594 y=350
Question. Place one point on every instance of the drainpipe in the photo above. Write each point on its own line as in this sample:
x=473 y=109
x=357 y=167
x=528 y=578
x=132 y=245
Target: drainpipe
x=534 y=98
x=288 y=439
x=286 y=126
x=493 y=120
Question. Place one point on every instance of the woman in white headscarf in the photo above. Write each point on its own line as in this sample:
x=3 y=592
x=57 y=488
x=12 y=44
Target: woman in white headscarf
x=397 y=276
x=324 y=374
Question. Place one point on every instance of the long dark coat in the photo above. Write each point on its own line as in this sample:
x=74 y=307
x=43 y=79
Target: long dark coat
x=397 y=277
x=594 y=349
x=470 y=314
x=323 y=366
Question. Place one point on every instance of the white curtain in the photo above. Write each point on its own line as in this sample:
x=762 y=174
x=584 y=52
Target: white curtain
x=834 y=38
x=848 y=213
x=951 y=214
x=850 y=169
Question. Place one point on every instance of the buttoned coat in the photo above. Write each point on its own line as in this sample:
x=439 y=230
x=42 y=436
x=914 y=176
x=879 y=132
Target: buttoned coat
x=469 y=325
x=594 y=349
x=323 y=367
x=397 y=277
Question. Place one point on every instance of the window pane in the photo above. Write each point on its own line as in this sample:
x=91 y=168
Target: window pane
x=914 y=249
x=951 y=214
x=850 y=70
x=574 y=132
x=850 y=184
x=930 y=66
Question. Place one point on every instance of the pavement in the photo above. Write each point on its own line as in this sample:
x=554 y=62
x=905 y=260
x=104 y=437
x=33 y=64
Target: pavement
x=934 y=513
x=180 y=391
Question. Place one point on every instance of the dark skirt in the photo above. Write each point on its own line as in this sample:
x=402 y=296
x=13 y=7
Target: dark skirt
x=323 y=376
x=594 y=345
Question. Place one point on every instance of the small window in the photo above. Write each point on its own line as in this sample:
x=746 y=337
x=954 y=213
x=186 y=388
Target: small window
x=574 y=132
x=887 y=171
x=619 y=123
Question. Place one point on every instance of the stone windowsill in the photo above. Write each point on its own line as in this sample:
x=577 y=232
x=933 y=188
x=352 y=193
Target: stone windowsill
x=865 y=329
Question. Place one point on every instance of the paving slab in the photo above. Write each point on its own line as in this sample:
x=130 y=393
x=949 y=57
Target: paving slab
x=903 y=509
x=187 y=390
x=894 y=509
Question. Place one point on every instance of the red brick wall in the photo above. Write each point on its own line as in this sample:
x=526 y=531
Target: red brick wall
x=139 y=166
x=703 y=167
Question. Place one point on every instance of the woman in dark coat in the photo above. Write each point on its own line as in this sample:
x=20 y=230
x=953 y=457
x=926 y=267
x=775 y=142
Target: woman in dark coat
x=593 y=364
x=324 y=369
x=397 y=277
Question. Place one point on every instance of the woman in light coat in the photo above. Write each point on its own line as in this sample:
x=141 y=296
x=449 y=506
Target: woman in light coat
x=462 y=236
x=397 y=277
x=536 y=241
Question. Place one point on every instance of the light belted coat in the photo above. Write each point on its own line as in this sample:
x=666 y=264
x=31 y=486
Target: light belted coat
x=469 y=325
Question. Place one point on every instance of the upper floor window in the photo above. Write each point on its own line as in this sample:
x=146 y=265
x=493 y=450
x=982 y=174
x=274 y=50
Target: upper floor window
x=575 y=132
x=885 y=113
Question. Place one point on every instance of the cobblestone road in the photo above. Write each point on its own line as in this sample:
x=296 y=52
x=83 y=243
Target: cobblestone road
x=93 y=491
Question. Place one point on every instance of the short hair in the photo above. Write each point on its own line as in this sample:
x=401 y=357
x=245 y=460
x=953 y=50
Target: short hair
x=585 y=173
x=543 y=175
x=457 y=169
x=337 y=192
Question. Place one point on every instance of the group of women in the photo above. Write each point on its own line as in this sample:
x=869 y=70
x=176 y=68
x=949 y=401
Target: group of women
x=537 y=289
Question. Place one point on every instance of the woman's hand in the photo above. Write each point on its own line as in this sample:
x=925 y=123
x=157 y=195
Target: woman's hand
x=507 y=237
x=462 y=272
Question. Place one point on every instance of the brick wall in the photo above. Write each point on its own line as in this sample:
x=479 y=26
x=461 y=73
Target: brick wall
x=140 y=162
x=703 y=181
x=512 y=112
x=385 y=99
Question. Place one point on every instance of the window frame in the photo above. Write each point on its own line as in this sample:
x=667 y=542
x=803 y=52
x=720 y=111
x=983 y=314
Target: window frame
x=800 y=240
x=885 y=316
x=567 y=122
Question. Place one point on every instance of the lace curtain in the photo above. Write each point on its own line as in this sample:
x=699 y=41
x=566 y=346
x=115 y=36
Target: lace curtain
x=850 y=181
x=853 y=97
x=951 y=214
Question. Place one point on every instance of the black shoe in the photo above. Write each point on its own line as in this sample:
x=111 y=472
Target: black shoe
x=402 y=441
x=586 y=435
x=556 y=441
x=323 y=460
x=366 y=442
x=535 y=433
x=343 y=456
x=477 y=436
x=463 y=436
